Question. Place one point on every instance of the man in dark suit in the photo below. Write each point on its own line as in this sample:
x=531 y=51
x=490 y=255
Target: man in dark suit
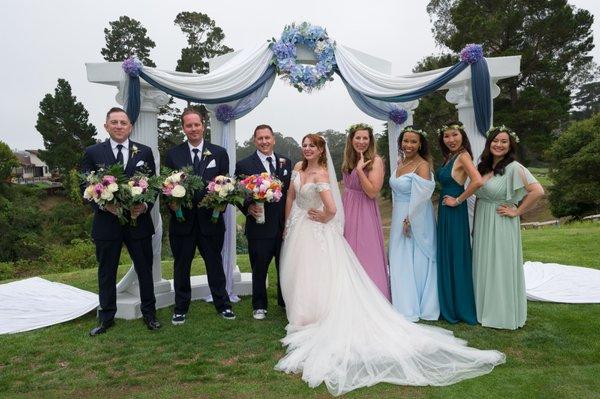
x=109 y=235
x=197 y=230
x=264 y=240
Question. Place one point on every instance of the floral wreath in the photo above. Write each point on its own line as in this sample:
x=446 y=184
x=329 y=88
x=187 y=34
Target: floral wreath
x=304 y=77
x=504 y=129
x=413 y=130
x=359 y=126
x=456 y=126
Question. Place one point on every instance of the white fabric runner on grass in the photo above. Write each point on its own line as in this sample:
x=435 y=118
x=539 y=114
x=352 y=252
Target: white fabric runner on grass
x=35 y=303
x=552 y=282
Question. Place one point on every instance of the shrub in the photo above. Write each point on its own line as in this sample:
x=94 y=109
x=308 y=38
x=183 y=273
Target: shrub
x=575 y=170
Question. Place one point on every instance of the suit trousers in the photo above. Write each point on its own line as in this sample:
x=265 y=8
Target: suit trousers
x=261 y=252
x=108 y=254
x=183 y=248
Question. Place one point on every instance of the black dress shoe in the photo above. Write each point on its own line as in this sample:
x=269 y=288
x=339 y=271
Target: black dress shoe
x=151 y=323
x=101 y=329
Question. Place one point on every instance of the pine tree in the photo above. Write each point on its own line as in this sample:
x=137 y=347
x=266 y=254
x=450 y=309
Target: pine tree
x=63 y=124
x=127 y=37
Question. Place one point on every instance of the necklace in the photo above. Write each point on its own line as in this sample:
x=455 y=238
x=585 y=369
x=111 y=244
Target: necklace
x=405 y=164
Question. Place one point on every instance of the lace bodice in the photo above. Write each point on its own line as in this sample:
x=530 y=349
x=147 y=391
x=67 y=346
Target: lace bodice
x=307 y=195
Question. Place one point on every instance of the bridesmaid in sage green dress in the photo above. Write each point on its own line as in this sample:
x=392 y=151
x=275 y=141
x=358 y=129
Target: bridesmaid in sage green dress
x=455 y=276
x=498 y=276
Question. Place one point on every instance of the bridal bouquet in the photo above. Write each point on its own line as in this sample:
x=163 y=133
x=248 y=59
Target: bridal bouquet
x=104 y=188
x=179 y=188
x=221 y=191
x=262 y=188
x=140 y=189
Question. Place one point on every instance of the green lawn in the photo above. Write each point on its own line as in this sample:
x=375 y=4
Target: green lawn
x=556 y=355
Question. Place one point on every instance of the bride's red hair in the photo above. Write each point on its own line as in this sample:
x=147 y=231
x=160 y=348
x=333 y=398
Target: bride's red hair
x=318 y=141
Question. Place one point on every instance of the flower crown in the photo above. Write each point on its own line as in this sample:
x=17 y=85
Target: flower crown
x=505 y=129
x=456 y=126
x=413 y=130
x=359 y=126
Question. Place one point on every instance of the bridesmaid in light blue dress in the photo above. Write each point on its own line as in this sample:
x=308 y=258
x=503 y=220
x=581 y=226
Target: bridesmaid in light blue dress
x=412 y=245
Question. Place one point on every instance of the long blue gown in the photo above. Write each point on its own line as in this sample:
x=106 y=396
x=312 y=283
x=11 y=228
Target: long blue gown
x=412 y=259
x=455 y=273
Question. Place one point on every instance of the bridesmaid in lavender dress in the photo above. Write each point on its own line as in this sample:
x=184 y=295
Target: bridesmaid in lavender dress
x=363 y=177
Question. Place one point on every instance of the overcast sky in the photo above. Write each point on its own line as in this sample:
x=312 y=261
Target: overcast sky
x=41 y=41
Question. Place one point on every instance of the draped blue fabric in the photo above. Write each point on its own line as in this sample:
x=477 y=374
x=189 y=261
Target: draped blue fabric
x=480 y=87
x=133 y=100
x=482 y=97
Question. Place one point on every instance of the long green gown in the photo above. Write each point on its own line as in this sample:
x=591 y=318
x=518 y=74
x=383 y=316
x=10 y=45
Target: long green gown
x=498 y=275
x=455 y=275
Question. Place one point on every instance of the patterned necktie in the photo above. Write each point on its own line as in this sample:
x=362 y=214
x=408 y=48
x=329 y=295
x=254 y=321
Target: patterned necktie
x=120 y=155
x=271 y=166
x=196 y=160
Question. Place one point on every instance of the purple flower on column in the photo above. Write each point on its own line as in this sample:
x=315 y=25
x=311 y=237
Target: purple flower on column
x=471 y=53
x=398 y=115
x=225 y=113
x=132 y=66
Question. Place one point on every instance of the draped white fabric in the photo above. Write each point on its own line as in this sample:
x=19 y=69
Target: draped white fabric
x=374 y=83
x=552 y=282
x=234 y=76
x=35 y=303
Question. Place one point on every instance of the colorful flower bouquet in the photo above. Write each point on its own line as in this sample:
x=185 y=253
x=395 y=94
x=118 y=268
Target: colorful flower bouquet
x=179 y=188
x=140 y=189
x=221 y=191
x=104 y=188
x=262 y=188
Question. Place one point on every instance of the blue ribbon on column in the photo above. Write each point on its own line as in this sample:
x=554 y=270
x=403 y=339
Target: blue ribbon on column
x=133 y=99
x=482 y=96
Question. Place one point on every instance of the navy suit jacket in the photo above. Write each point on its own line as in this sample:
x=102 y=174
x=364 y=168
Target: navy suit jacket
x=274 y=211
x=106 y=226
x=211 y=165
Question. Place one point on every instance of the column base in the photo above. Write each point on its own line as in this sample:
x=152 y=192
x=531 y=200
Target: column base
x=129 y=305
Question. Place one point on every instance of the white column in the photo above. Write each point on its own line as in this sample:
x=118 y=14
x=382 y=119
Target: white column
x=145 y=131
x=394 y=132
x=460 y=96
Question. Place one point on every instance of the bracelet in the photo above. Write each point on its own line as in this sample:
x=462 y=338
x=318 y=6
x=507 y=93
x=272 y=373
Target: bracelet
x=458 y=201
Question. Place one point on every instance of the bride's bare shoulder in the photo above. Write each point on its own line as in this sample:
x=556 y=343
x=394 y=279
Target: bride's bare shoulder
x=322 y=176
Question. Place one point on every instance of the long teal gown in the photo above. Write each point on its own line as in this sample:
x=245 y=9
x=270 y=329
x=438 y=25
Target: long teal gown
x=455 y=276
x=498 y=275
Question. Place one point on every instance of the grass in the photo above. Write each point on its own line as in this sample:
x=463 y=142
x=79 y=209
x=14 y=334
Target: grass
x=556 y=355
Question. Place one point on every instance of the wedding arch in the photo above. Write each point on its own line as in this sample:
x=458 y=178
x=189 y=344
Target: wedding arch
x=306 y=58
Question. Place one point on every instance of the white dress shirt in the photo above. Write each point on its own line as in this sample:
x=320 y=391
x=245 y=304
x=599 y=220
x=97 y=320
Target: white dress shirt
x=124 y=150
x=199 y=147
x=263 y=159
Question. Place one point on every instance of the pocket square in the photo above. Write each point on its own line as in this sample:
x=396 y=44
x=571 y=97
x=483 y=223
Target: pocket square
x=285 y=173
x=211 y=164
x=140 y=163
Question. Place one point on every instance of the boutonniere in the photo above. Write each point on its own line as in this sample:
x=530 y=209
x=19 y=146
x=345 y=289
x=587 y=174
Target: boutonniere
x=281 y=163
x=134 y=150
x=206 y=153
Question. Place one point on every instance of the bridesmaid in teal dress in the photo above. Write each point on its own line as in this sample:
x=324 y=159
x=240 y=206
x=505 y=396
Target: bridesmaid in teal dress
x=455 y=277
x=498 y=275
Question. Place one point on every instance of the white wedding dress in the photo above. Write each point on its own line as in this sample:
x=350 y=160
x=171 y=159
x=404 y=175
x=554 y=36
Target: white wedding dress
x=341 y=330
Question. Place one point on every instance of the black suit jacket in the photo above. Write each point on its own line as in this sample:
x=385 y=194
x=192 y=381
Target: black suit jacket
x=274 y=211
x=106 y=226
x=215 y=164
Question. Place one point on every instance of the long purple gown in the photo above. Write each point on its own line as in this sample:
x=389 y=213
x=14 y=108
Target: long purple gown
x=362 y=230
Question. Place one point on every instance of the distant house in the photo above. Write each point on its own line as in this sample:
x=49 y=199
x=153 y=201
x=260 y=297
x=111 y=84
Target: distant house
x=31 y=166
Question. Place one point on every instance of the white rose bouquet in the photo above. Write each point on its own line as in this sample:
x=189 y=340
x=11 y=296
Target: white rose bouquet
x=104 y=188
x=179 y=188
x=221 y=191
x=140 y=189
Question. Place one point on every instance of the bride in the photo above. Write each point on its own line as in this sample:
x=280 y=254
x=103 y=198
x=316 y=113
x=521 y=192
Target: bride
x=341 y=330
